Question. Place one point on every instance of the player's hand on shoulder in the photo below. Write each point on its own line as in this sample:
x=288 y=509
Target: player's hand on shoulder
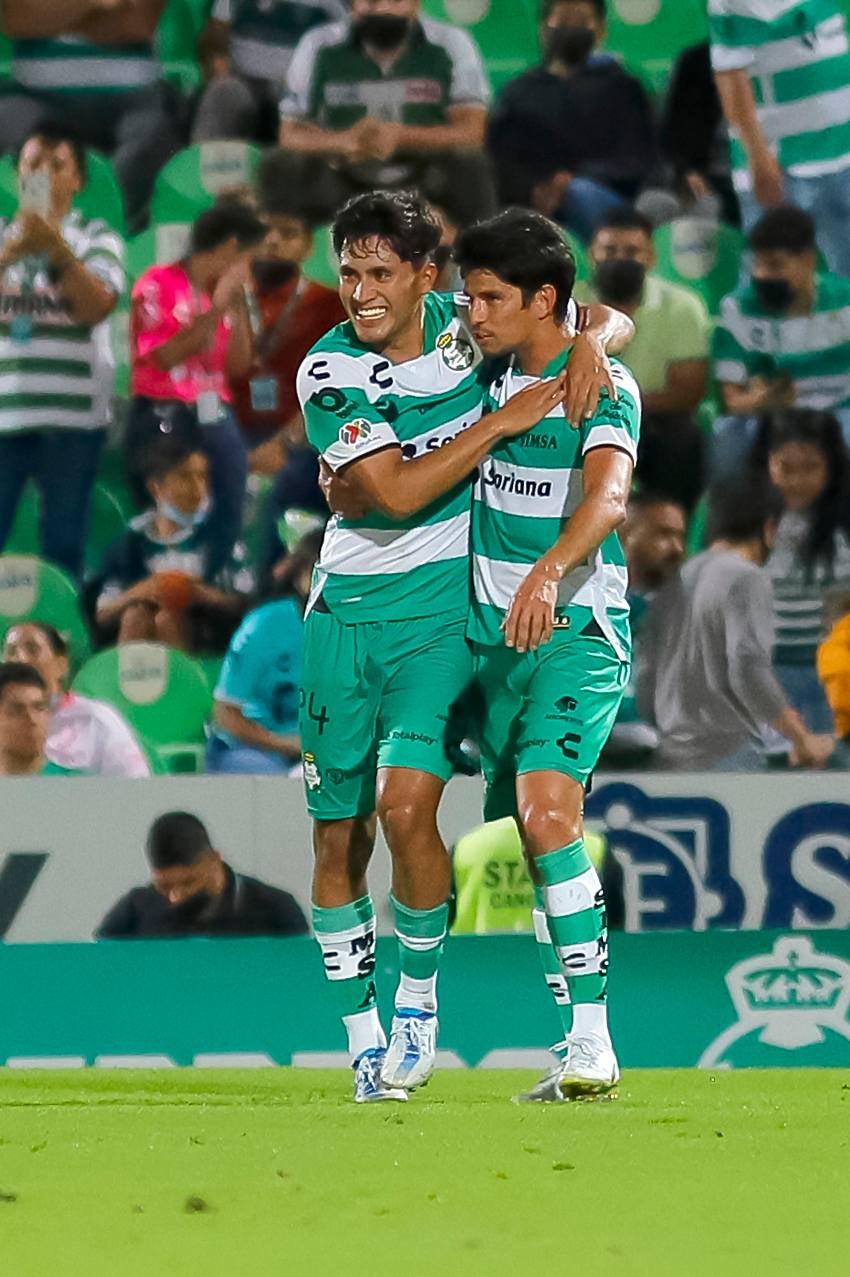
x=530 y=620
x=530 y=406
x=588 y=374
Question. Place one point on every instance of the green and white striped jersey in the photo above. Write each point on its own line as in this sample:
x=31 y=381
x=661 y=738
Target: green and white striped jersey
x=525 y=494
x=797 y=56
x=70 y=64
x=357 y=403
x=812 y=350
x=49 y=362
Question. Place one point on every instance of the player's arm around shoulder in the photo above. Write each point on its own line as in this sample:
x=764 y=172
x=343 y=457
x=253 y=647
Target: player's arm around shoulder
x=383 y=480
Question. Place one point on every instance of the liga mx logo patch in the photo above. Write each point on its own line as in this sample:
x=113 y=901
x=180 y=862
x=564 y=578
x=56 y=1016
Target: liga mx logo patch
x=457 y=353
x=355 y=432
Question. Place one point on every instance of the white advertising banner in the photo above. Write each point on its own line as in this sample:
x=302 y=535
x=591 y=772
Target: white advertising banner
x=697 y=852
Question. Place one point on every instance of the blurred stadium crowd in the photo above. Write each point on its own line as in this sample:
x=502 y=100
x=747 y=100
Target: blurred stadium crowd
x=169 y=172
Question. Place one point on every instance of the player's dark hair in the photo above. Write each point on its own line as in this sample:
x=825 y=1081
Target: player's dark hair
x=524 y=249
x=57 y=643
x=821 y=430
x=740 y=511
x=176 y=838
x=625 y=219
x=402 y=218
x=166 y=452
x=17 y=674
x=56 y=135
x=643 y=499
x=229 y=219
x=548 y=7
x=785 y=229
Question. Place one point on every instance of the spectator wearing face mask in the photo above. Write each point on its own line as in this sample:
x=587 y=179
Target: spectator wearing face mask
x=669 y=353
x=288 y=313
x=783 y=339
x=387 y=98
x=163 y=580
x=574 y=137
x=194 y=892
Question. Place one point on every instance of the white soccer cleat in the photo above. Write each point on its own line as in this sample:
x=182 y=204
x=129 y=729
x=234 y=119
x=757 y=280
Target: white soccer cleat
x=547 y=1090
x=368 y=1087
x=589 y=1068
x=412 y=1052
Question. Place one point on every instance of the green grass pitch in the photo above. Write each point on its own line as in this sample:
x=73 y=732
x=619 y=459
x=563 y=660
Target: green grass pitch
x=248 y=1173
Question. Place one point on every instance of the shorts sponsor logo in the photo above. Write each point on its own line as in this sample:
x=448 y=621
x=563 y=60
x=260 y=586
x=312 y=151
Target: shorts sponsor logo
x=334 y=776
x=566 y=704
x=312 y=775
x=353 y=433
x=456 y=351
x=413 y=736
x=566 y=743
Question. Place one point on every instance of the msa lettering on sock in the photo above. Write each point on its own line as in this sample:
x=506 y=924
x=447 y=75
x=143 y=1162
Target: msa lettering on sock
x=349 y=955
x=585 y=959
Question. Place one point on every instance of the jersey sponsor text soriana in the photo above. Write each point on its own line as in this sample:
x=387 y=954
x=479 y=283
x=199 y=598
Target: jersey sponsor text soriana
x=48 y=379
x=526 y=492
x=357 y=403
x=797 y=56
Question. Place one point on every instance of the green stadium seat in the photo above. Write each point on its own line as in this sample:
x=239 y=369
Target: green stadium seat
x=100 y=197
x=108 y=522
x=163 y=243
x=177 y=40
x=698 y=528
x=322 y=264
x=162 y=693
x=650 y=34
x=702 y=254
x=504 y=30
x=194 y=178
x=33 y=589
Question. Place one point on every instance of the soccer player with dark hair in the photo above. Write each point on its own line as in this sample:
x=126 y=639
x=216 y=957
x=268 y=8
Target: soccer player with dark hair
x=194 y=892
x=393 y=401
x=549 y=620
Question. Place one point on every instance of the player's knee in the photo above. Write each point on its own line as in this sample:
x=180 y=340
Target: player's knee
x=545 y=827
x=401 y=821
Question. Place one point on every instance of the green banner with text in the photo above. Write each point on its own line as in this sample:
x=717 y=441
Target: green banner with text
x=715 y=999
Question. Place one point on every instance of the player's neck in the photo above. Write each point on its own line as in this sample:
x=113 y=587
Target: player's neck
x=535 y=355
x=408 y=344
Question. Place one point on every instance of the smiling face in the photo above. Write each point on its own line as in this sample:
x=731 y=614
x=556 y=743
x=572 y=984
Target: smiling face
x=382 y=294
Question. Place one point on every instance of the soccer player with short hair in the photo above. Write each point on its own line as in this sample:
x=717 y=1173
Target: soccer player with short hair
x=549 y=620
x=393 y=400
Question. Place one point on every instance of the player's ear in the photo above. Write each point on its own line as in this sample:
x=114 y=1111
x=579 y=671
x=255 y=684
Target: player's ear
x=544 y=301
x=428 y=276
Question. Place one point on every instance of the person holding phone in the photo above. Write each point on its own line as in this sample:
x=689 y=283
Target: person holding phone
x=60 y=277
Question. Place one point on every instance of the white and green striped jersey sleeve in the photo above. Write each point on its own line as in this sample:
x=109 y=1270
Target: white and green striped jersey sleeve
x=343 y=422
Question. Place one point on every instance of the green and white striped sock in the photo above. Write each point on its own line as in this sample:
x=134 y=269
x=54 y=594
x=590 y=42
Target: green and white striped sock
x=346 y=936
x=552 y=970
x=575 y=911
x=421 y=934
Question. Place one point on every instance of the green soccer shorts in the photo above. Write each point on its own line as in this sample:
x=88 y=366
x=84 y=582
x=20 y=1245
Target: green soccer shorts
x=548 y=710
x=376 y=694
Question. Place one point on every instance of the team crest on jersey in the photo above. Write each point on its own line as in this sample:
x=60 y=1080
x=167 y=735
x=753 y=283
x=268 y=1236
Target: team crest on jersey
x=355 y=432
x=456 y=351
x=312 y=775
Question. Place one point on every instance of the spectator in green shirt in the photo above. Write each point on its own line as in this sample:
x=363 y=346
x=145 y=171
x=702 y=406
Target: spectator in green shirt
x=668 y=353
x=24 y=723
x=783 y=338
x=385 y=99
